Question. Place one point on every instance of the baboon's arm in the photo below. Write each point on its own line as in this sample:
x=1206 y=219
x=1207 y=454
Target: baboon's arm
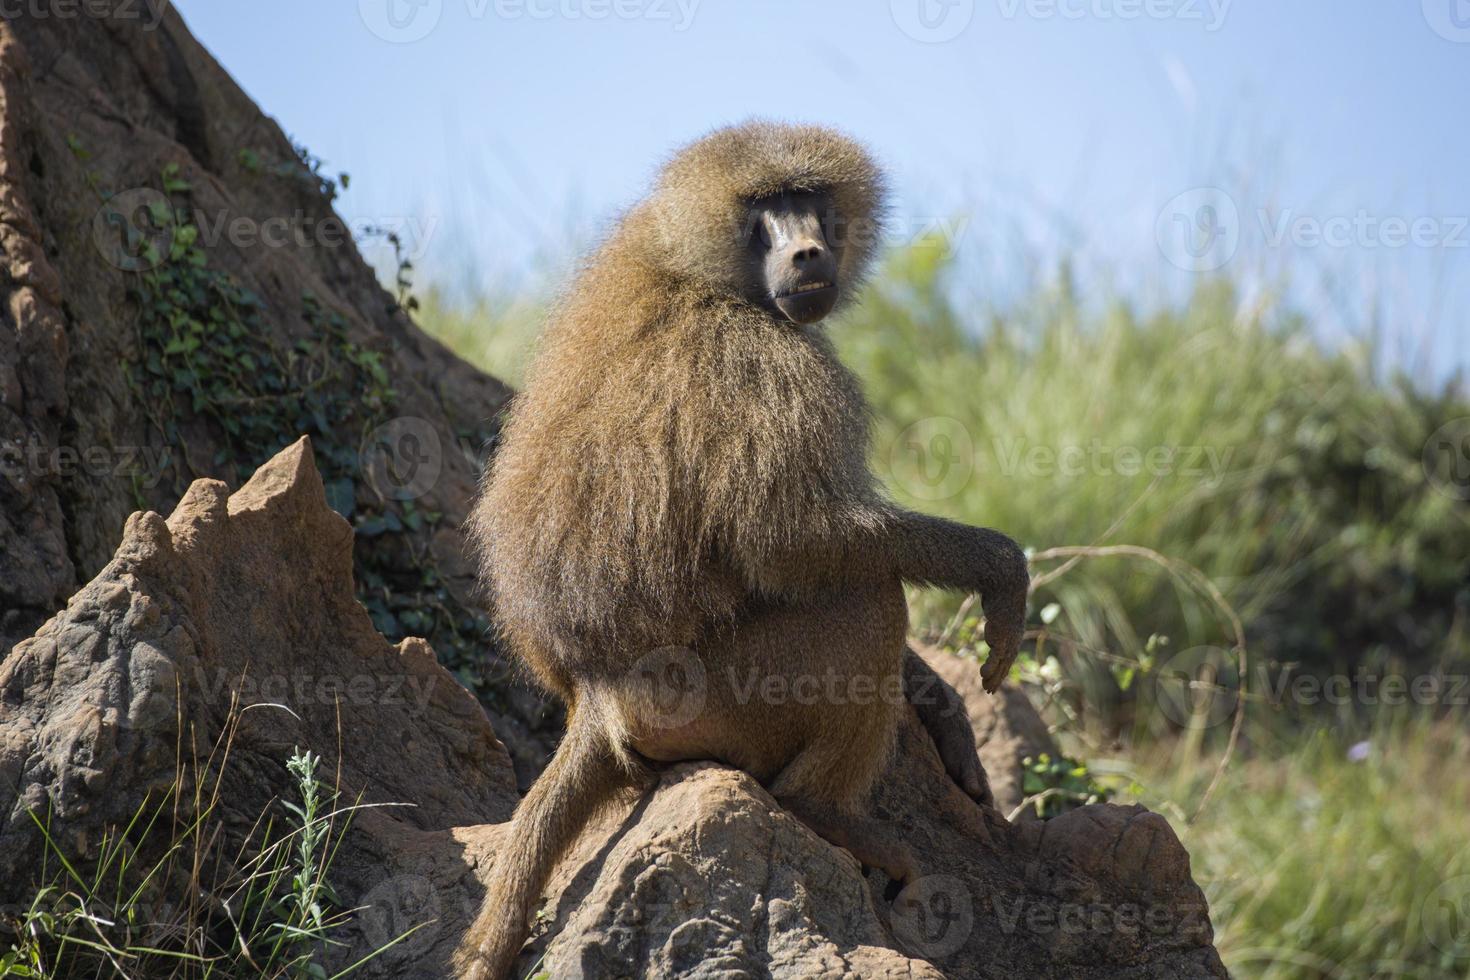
x=872 y=538
x=933 y=551
x=929 y=550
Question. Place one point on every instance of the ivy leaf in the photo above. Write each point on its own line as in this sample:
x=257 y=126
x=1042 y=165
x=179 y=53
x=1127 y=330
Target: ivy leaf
x=372 y=527
x=172 y=182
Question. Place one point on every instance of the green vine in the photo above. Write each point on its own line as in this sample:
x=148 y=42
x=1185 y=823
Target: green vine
x=305 y=166
x=206 y=354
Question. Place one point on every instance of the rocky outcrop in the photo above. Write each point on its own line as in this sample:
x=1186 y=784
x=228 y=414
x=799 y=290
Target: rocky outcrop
x=708 y=877
x=180 y=300
x=238 y=612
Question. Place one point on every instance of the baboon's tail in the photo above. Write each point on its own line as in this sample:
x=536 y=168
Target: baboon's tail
x=586 y=771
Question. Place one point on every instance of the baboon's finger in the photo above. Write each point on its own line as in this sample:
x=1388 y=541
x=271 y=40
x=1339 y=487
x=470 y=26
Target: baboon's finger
x=1005 y=644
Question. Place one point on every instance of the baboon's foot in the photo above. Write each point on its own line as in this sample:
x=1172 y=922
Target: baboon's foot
x=871 y=841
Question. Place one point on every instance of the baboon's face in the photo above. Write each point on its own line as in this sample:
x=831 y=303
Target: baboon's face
x=793 y=252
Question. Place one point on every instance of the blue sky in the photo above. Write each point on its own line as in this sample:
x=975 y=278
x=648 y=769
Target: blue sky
x=500 y=135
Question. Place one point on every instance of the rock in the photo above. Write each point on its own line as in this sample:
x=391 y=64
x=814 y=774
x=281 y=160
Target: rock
x=237 y=610
x=709 y=877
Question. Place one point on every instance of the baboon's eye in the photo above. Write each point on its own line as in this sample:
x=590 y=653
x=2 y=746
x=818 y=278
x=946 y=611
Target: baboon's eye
x=762 y=231
x=830 y=226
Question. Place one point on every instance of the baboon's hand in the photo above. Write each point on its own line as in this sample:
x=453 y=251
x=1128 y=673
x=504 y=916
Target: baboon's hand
x=1003 y=632
x=1003 y=636
x=1005 y=617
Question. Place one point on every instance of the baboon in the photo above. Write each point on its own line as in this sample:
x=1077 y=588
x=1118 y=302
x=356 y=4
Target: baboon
x=681 y=497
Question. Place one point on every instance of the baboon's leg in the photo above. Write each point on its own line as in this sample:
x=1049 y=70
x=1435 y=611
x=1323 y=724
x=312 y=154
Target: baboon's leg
x=823 y=786
x=942 y=711
x=584 y=773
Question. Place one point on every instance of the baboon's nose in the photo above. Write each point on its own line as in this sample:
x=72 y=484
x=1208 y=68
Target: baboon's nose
x=805 y=253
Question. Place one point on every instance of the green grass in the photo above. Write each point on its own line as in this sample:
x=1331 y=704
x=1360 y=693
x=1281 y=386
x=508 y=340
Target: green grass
x=1309 y=508
x=1319 y=866
x=163 y=897
x=497 y=334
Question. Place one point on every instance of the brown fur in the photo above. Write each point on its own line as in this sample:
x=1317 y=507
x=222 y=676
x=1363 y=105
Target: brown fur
x=685 y=469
